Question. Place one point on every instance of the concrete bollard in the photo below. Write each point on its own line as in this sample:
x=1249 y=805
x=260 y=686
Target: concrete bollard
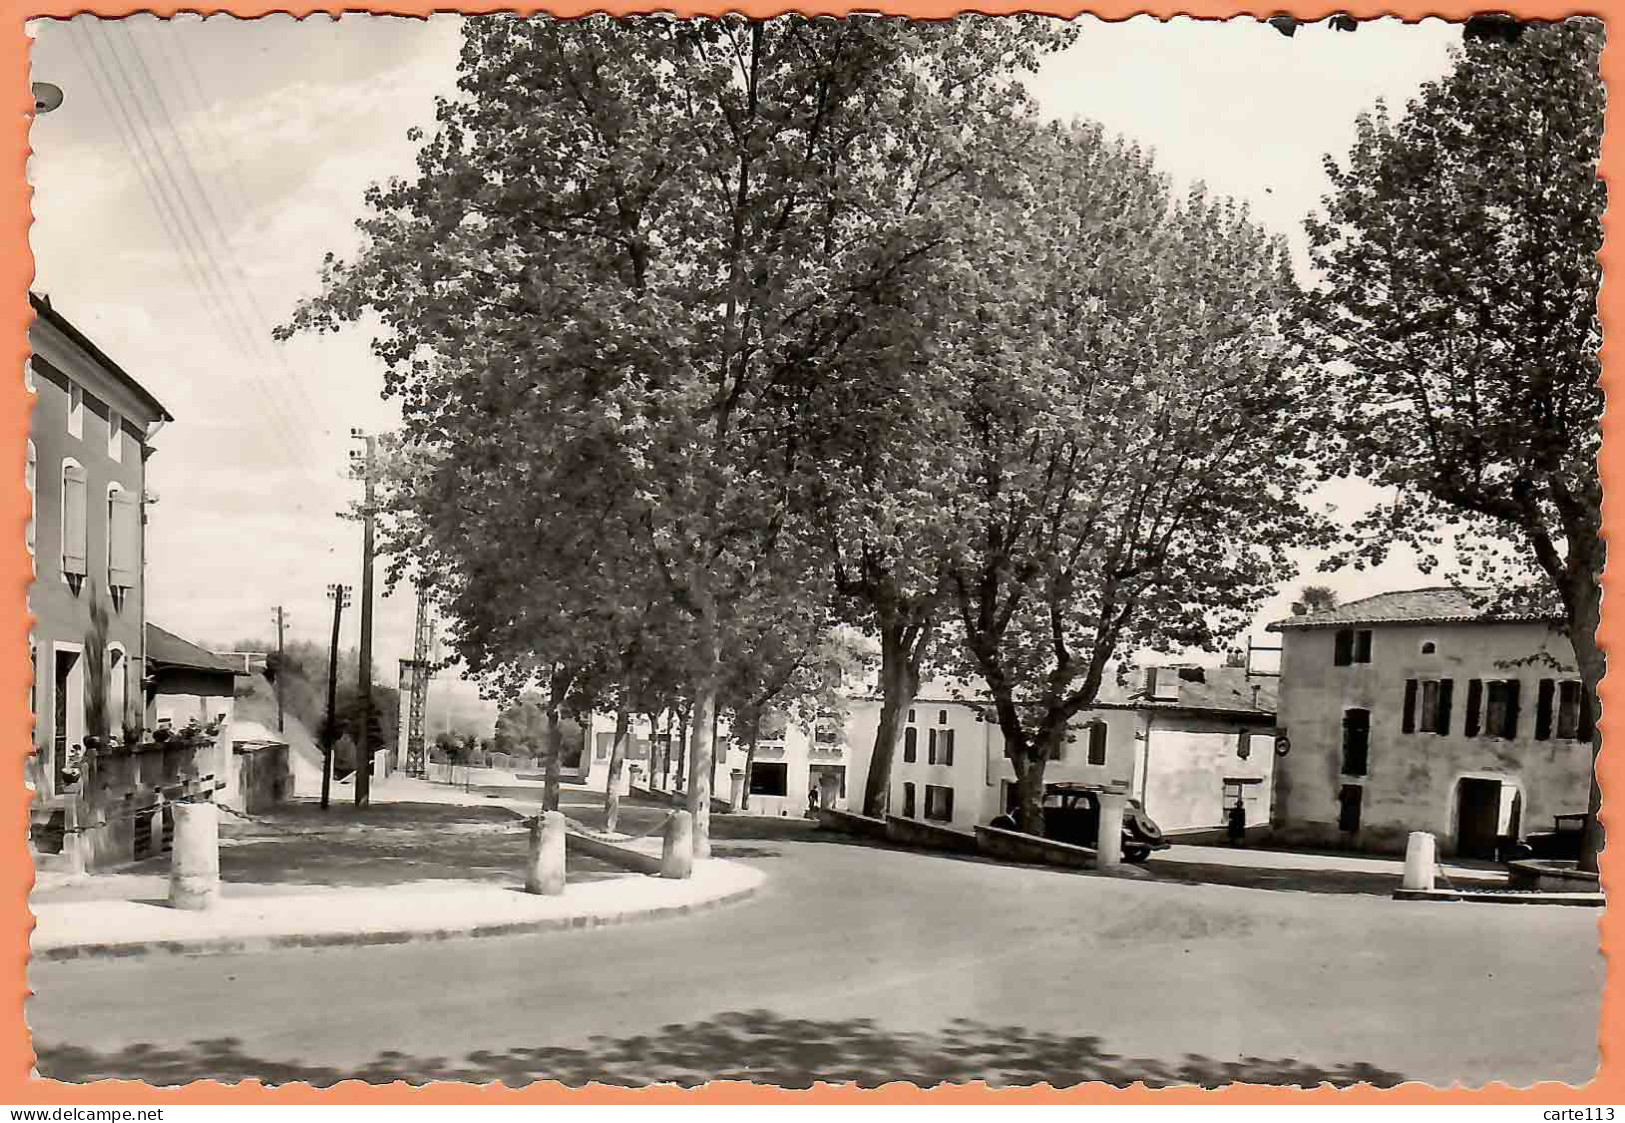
x=544 y=862
x=1109 y=844
x=677 y=855
x=194 y=863
x=1421 y=862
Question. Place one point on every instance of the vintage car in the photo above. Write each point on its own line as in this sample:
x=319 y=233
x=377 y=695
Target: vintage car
x=1072 y=814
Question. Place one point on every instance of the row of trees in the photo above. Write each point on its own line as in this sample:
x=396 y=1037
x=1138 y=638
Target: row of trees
x=710 y=336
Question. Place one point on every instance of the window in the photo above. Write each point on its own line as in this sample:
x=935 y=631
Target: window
x=911 y=745
x=1348 y=807
x=1572 y=711
x=1097 y=742
x=76 y=410
x=827 y=730
x=1427 y=705
x=930 y=746
x=115 y=434
x=1429 y=647
x=942 y=717
x=30 y=477
x=769 y=778
x=1356 y=742
x=908 y=801
x=1244 y=791
x=123 y=538
x=75 y=522
x=117 y=686
x=1501 y=709
x=939 y=803
x=1352 y=647
x=911 y=717
x=945 y=745
x=939 y=747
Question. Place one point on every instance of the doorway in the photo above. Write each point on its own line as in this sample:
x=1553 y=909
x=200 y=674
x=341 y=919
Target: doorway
x=1478 y=817
x=67 y=716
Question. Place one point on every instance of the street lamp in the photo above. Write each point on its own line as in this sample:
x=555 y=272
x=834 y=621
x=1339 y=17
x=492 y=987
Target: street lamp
x=46 y=97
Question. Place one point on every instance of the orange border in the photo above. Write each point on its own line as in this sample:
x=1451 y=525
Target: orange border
x=16 y=873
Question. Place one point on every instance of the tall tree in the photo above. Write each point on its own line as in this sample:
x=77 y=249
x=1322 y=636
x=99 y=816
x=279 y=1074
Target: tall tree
x=1457 y=319
x=653 y=236
x=1139 y=426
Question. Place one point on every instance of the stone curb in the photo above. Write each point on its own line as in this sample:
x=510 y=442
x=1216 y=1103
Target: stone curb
x=230 y=945
x=1491 y=896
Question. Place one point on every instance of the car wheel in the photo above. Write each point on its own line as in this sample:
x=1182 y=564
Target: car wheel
x=1136 y=853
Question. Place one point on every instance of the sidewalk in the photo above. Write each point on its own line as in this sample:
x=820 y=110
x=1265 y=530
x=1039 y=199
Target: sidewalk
x=423 y=862
x=247 y=920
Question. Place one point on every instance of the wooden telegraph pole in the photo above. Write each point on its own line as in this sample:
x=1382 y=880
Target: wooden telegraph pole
x=281 y=666
x=364 y=748
x=340 y=596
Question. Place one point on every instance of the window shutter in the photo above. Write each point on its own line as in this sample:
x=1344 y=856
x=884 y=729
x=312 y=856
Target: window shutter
x=1343 y=654
x=1362 y=647
x=124 y=539
x=1543 y=709
x=931 y=747
x=910 y=744
x=1441 y=724
x=1588 y=717
x=948 y=746
x=1410 y=707
x=1097 y=743
x=73 y=519
x=1511 y=729
x=1475 y=706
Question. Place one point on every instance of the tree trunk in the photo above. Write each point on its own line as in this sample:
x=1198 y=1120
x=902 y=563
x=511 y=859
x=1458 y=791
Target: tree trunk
x=617 y=761
x=899 y=682
x=682 y=746
x=1030 y=790
x=751 y=738
x=1585 y=614
x=550 y=775
x=699 y=766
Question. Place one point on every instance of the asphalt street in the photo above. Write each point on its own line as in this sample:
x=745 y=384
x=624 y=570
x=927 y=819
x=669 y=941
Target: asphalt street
x=867 y=964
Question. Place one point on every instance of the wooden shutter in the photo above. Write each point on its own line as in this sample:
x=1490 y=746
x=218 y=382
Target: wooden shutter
x=931 y=748
x=1343 y=653
x=1543 y=709
x=1475 y=706
x=1362 y=647
x=124 y=539
x=911 y=741
x=948 y=746
x=1409 y=725
x=1588 y=716
x=73 y=519
x=1511 y=729
x=1097 y=742
x=1447 y=689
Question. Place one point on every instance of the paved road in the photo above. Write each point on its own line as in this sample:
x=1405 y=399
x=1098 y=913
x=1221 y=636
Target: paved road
x=870 y=964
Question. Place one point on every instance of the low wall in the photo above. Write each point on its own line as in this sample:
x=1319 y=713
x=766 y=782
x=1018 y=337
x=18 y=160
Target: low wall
x=860 y=825
x=911 y=832
x=119 y=814
x=622 y=856
x=1013 y=846
x=1551 y=877
x=263 y=778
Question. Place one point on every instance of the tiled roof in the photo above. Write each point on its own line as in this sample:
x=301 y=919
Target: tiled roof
x=1442 y=604
x=166 y=649
x=1224 y=690
x=42 y=308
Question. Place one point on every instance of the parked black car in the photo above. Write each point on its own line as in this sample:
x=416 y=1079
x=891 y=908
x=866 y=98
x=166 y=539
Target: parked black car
x=1072 y=814
x=1561 y=843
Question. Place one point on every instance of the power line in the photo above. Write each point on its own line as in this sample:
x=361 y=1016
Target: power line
x=169 y=206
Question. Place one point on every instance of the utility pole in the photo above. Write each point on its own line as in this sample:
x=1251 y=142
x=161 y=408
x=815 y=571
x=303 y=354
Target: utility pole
x=363 y=772
x=281 y=617
x=340 y=596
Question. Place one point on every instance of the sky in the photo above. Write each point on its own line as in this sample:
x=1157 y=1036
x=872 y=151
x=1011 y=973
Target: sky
x=198 y=170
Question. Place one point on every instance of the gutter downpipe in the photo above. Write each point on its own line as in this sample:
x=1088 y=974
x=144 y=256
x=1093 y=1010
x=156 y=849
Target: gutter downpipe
x=1145 y=768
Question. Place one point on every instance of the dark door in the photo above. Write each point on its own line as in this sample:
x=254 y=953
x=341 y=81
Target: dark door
x=1348 y=807
x=1477 y=817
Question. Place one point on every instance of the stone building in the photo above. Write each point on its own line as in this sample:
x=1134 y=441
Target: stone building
x=1420 y=711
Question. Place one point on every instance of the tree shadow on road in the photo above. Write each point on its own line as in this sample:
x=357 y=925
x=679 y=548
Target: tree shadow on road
x=756 y=1046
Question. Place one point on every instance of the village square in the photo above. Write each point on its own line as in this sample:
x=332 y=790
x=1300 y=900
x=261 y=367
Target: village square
x=815 y=551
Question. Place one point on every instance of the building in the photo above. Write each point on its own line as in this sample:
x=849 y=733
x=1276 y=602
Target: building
x=1188 y=742
x=1420 y=711
x=89 y=439
x=101 y=781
